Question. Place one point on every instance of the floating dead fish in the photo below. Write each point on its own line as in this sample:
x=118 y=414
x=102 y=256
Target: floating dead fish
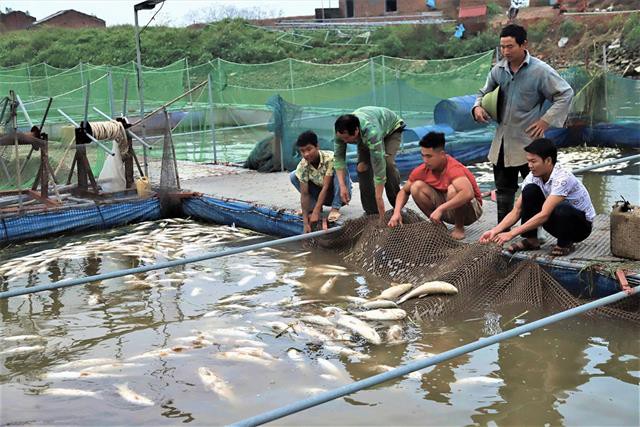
x=23 y=349
x=295 y=355
x=313 y=390
x=164 y=352
x=344 y=351
x=416 y=375
x=214 y=383
x=238 y=333
x=245 y=280
x=64 y=375
x=479 y=380
x=329 y=377
x=69 y=392
x=112 y=366
x=394 y=334
x=301 y=254
x=328 y=285
x=354 y=300
x=358 y=326
x=235 y=307
x=82 y=363
x=381 y=303
x=329 y=367
x=383 y=314
x=232 y=298
x=252 y=343
x=242 y=357
x=23 y=338
x=255 y=352
x=429 y=288
x=394 y=291
x=304 y=302
x=269 y=314
x=317 y=320
x=131 y=396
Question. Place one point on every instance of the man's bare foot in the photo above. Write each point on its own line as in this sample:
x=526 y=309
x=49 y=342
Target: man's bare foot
x=457 y=233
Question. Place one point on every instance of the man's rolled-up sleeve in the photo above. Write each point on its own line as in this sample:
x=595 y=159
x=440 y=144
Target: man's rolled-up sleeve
x=375 y=142
x=559 y=92
x=339 y=154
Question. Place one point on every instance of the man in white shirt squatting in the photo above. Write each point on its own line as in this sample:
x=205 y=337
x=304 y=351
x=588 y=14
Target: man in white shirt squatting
x=552 y=198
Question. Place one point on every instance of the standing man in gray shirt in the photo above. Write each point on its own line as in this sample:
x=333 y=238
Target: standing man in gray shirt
x=525 y=83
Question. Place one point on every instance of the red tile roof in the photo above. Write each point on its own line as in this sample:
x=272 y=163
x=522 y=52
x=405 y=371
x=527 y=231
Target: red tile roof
x=472 y=11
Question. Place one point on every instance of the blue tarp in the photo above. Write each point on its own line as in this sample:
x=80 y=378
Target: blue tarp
x=243 y=214
x=32 y=226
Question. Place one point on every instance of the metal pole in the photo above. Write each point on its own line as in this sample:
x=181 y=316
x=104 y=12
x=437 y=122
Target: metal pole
x=293 y=94
x=373 y=81
x=193 y=145
x=421 y=364
x=607 y=163
x=162 y=265
x=384 y=83
x=112 y=106
x=133 y=135
x=604 y=76
x=46 y=77
x=213 y=120
x=14 y=123
x=81 y=75
x=86 y=103
x=166 y=104
x=24 y=111
x=30 y=84
x=140 y=88
x=124 y=99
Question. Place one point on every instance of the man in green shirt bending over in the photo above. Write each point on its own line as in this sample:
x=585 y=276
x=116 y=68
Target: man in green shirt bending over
x=378 y=133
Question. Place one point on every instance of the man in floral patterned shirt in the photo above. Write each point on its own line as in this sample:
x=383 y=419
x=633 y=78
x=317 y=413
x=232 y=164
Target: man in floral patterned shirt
x=316 y=181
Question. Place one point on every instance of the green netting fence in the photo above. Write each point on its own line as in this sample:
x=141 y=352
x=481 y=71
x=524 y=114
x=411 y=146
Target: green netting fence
x=225 y=119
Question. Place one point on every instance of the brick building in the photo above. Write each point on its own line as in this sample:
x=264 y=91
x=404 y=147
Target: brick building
x=15 y=20
x=70 y=19
x=366 y=8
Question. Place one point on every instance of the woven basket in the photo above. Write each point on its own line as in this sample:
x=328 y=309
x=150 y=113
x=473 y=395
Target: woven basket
x=625 y=231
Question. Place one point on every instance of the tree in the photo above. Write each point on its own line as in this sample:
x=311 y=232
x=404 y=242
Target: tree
x=218 y=13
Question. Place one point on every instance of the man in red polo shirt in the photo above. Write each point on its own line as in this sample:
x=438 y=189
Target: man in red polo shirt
x=443 y=188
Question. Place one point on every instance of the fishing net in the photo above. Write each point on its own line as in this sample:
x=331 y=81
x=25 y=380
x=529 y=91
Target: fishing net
x=169 y=179
x=421 y=251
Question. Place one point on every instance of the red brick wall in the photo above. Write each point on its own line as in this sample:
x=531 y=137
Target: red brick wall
x=15 y=21
x=364 y=8
x=73 y=19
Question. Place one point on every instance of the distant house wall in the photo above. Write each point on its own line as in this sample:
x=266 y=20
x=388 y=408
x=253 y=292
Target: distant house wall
x=15 y=20
x=71 y=19
x=365 y=8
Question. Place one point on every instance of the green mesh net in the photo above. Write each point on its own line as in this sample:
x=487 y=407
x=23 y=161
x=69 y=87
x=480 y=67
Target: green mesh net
x=234 y=112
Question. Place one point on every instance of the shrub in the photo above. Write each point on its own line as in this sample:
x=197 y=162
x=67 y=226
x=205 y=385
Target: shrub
x=570 y=28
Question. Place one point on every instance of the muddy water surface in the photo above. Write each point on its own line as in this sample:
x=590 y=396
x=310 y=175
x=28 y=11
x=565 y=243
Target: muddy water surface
x=67 y=355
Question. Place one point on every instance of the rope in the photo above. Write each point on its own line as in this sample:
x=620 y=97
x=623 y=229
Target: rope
x=111 y=130
x=424 y=363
